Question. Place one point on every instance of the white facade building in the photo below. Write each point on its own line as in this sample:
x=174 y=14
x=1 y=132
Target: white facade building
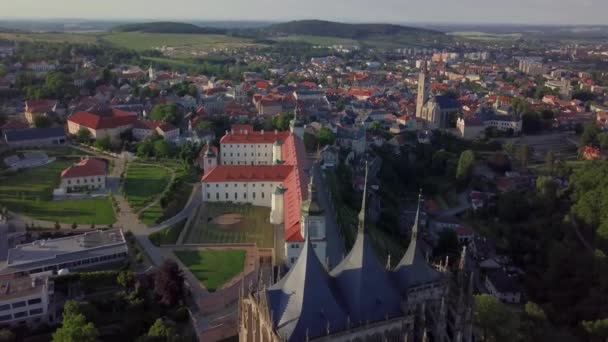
x=26 y=299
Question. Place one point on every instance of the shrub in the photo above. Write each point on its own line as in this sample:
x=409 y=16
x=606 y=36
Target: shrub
x=181 y=314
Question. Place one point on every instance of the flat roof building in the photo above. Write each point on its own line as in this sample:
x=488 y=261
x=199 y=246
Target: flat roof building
x=25 y=299
x=85 y=250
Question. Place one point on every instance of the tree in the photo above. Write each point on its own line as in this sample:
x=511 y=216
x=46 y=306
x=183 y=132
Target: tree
x=340 y=104
x=547 y=188
x=74 y=327
x=7 y=336
x=163 y=328
x=509 y=147
x=42 y=121
x=166 y=113
x=531 y=123
x=104 y=143
x=520 y=106
x=524 y=154
x=447 y=244
x=126 y=279
x=512 y=207
x=145 y=149
x=74 y=225
x=326 y=136
x=494 y=320
x=602 y=140
x=169 y=283
x=465 y=165
x=597 y=329
x=162 y=148
x=310 y=142
x=57 y=225
x=83 y=136
x=281 y=121
x=590 y=135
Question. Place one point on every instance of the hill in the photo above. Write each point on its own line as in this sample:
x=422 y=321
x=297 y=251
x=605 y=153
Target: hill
x=168 y=27
x=344 y=30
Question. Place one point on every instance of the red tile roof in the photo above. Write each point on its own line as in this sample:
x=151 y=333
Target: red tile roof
x=14 y=124
x=40 y=106
x=252 y=137
x=94 y=121
x=85 y=168
x=248 y=173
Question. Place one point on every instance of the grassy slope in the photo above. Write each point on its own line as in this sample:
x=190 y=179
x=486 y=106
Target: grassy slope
x=144 y=183
x=30 y=192
x=318 y=40
x=168 y=235
x=213 y=268
x=79 y=38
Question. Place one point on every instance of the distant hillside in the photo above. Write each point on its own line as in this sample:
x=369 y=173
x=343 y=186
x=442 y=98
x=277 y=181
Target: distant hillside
x=343 y=30
x=168 y=27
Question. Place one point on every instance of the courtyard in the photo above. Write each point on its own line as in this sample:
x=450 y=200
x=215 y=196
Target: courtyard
x=144 y=183
x=211 y=267
x=232 y=223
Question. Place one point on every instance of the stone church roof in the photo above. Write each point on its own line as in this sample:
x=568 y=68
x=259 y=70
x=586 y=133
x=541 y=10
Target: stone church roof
x=302 y=304
x=413 y=270
x=363 y=283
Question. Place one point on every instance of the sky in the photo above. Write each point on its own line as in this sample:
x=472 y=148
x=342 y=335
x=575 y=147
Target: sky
x=394 y=11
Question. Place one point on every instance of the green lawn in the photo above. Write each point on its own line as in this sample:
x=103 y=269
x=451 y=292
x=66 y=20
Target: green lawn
x=254 y=227
x=30 y=192
x=213 y=267
x=168 y=235
x=144 y=183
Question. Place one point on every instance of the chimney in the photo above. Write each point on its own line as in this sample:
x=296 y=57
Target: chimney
x=232 y=131
x=246 y=132
x=276 y=132
x=262 y=132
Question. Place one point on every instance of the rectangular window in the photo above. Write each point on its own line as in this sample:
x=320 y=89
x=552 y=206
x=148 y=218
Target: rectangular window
x=207 y=184
x=18 y=305
x=226 y=195
x=6 y=318
x=34 y=301
x=21 y=314
x=208 y=195
x=35 y=312
x=5 y=307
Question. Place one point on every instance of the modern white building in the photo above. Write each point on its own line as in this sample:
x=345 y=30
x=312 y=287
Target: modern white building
x=73 y=252
x=26 y=299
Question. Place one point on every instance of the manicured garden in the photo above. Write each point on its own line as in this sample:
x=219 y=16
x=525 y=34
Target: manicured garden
x=144 y=183
x=213 y=267
x=30 y=192
x=233 y=223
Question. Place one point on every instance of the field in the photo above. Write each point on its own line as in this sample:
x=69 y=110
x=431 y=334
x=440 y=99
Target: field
x=182 y=42
x=168 y=235
x=144 y=183
x=29 y=192
x=232 y=223
x=213 y=267
x=75 y=38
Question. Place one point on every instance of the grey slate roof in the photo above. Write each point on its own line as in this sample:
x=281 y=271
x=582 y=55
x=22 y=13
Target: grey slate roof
x=447 y=102
x=302 y=303
x=364 y=284
x=35 y=133
x=413 y=270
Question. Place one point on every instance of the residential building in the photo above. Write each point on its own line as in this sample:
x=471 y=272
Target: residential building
x=34 y=137
x=34 y=109
x=244 y=146
x=73 y=252
x=108 y=123
x=26 y=299
x=503 y=286
x=88 y=174
x=145 y=128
